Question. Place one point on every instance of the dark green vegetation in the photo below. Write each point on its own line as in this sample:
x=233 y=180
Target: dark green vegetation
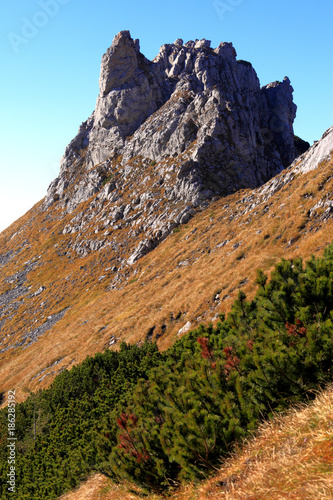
x=160 y=418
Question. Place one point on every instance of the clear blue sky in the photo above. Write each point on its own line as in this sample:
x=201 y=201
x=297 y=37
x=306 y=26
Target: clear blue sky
x=50 y=60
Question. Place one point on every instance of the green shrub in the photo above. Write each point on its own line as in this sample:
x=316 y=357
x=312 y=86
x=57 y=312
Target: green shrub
x=158 y=419
x=216 y=384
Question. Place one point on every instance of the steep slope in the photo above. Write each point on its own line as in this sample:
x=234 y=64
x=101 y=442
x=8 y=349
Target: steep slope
x=167 y=136
x=57 y=307
x=128 y=242
x=291 y=457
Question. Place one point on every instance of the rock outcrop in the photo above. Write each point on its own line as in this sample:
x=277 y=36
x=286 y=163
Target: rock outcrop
x=188 y=94
x=170 y=134
x=167 y=137
x=321 y=150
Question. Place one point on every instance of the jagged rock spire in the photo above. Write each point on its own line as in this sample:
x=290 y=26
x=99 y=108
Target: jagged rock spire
x=189 y=96
x=119 y=63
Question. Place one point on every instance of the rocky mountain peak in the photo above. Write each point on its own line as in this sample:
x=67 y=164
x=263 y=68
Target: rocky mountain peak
x=168 y=138
x=119 y=63
x=171 y=134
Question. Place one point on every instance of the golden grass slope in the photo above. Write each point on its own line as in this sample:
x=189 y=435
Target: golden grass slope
x=190 y=278
x=291 y=457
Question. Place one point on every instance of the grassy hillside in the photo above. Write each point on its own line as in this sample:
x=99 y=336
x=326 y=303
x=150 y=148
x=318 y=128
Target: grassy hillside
x=165 y=419
x=190 y=278
x=291 y=457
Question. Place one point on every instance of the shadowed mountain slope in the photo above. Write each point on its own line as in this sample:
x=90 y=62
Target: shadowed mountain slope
x=57 y=306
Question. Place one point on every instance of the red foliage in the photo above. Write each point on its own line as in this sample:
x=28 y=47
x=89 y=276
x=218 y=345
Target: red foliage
x=122 y=421
x=131 y=446
x=297 y=330
x=231 y=361
x=206 y=351
x=133 y=419
x=126 y=441
x=141 y=456
x=249 y=344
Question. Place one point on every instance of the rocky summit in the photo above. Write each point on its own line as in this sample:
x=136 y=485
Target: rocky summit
x=195 y=114
x=185 y=179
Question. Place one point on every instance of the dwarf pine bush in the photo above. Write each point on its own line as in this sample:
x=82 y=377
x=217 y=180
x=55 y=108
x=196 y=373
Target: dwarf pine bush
x=159 y=419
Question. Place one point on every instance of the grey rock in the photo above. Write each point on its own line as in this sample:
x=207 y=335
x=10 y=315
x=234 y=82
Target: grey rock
x=282 y=114
x=185 y=328
x=202 y=44
x=198 y=113
x=226 y=50
x=5 y=258
x=142 y=249
x=320 y=151
x=39 y=291
x=179 y=42
x=188 y=93
x=12 y=298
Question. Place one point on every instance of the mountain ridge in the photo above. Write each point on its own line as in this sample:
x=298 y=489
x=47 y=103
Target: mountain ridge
x=57 y=307
x=189 y=92
x=143 y=232
x=196 y=115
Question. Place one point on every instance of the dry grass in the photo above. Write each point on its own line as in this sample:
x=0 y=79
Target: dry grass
x=159 y=291
x=290 y=458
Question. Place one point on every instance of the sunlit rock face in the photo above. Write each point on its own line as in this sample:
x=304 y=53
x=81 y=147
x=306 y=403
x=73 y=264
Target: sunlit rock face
x=192 y=98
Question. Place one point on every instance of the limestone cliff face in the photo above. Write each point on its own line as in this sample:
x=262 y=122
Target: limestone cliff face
x=71 y=283
x=169 y=135
x=189 y=98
